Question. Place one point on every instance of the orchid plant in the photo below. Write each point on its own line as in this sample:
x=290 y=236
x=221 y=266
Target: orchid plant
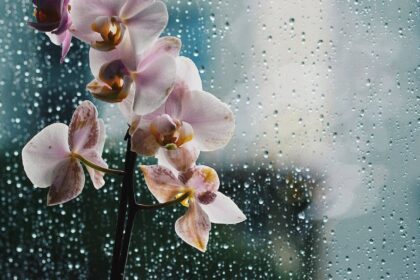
x=169 y=115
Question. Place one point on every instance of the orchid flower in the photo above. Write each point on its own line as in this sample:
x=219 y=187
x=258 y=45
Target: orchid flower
x=52 y=157
x=205 y=203
x=190 y=120
x=150 y=75
x=53 y=18
x=105 y=24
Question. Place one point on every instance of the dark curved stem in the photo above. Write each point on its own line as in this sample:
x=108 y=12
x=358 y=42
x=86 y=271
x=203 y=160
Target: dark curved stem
x=98 y=167
x=127 y=187
x=132 y=211
x=128 y=204
x=163 y=205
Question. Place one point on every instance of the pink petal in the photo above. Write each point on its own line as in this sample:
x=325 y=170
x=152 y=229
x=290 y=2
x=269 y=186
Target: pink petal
x=84 y=13
x=154 y=84
x=182 y=158
x=96 y=176
x=188 y=73
x=95 y=155
x=223 y=210
x=101 y=139
x=126 y=107
x=133 y=7
x=56 y=39
x=42 y=155
x=63 y=40
x=65 y=46
x=143 y=142
x=146 y=26
x=204 y=180
x=68 y=182
x=162 y=183
x=194 y=227
x=165 y=45
x=84 y=129
x=212 y=120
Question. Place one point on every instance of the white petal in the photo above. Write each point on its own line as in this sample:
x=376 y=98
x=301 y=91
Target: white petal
x=143 y=142
x=182 y=158
x=194 y=227
x=56 y=39
x=44 y=153
x=153 y=84
x=188 y=73
x=223 y=210
x=133 y=7
x=162 y=183
x=146 y=26
x=84 y=128
x=68 y=183
x=96 y=176
x=212 y=120
x=84 y=12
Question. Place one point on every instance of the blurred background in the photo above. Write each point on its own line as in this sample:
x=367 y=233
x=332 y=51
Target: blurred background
x=324 y=161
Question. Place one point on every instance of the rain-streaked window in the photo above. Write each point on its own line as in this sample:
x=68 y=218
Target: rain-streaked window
x=323 y=161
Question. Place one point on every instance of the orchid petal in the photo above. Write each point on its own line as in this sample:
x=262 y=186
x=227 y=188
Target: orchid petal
x=194 y=227
x=63 y=40
x=133 y=7
x=144 y=143
x=153 y=84
x=95 y=155
x=68 y=182
x=162 y=183
x=84 y=13
x=212 y=120
x=182 y=158
x=162 y=161
x=44 y=153
x=56 y=39
x=84 y=128
x=188 y=73
x=166 y=45
x=146 y=26
x=96 y=176
x=205 y=181
x=222 y=210
x=65 y=46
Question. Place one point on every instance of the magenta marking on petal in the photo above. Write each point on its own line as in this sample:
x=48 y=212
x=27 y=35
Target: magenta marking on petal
x=206 y=197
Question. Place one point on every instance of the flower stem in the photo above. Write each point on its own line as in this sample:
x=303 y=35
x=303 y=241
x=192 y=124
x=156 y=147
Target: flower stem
x=97 y=167
x=132 y=211
x=128 y=182
x=165 y=204
x=127 y=210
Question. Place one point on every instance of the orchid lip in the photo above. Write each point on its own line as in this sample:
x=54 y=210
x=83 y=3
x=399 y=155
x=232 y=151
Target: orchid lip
x=111 y=30
x=114 y=82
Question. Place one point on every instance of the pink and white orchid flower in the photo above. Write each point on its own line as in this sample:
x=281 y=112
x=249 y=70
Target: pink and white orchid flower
x=191 y=120
x=205 y=203
x=52 y=157
x=54 y=19
x=150 y=75
x=104 y=24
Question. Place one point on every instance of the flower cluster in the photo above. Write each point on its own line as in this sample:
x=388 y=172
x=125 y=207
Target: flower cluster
x=160 y=94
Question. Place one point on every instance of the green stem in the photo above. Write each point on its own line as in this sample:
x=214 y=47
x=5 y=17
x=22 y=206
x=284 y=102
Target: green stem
x=97 y=167
x=163 y=205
